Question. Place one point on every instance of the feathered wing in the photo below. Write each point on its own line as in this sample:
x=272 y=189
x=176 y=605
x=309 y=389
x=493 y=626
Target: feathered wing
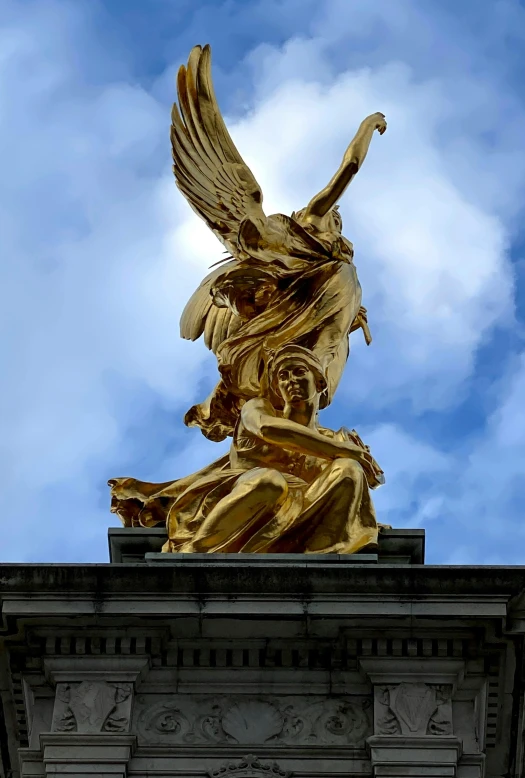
x=202 y=317
x=219 y=186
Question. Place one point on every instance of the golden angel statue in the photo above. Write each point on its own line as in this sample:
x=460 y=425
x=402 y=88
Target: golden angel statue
x=288 y=279
x=277 y=314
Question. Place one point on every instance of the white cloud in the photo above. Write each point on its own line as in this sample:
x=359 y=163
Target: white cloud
x=493 y=478
x=411 y=466
x=469 y=499
x=99 y=254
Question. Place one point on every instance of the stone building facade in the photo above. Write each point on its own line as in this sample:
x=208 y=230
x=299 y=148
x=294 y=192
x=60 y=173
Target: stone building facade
x=250 y=666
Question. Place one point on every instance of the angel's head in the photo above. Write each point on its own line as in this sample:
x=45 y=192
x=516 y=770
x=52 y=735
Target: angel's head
x=330 y=222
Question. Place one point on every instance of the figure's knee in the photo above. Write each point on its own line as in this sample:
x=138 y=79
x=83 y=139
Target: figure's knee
x=269 y=483
x=347 y=470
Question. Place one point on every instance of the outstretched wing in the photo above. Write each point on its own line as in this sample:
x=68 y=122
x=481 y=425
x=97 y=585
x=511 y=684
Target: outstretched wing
x=208 y=169
x=202 y=317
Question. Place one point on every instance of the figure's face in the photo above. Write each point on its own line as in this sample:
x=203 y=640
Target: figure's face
x=296 y=381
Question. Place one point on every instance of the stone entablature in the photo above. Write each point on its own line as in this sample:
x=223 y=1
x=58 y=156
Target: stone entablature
x=252 y=670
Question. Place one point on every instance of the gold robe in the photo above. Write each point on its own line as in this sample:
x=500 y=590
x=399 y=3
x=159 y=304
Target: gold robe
x=311 y=297
x=327 y=509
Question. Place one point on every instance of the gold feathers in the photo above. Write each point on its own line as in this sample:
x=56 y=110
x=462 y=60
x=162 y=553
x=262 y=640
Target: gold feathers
x=208 y=169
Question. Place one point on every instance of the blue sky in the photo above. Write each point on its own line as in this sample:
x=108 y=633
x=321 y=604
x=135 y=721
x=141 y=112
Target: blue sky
x=99 y=252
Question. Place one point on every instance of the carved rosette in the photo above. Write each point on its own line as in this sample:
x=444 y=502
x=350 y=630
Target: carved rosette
x=90 y=707
x=414 y=709
x=240 y=721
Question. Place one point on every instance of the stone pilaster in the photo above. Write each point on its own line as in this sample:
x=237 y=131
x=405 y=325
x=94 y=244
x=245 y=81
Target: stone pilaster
x=415 y=730
x=91 y=725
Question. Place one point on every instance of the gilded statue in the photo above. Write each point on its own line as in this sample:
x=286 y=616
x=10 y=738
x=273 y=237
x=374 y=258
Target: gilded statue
x=288 y=279
x=277 y=313
x=287 y=485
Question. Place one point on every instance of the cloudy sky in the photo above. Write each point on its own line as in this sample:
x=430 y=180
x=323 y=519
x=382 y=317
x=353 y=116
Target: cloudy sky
x=99 y=252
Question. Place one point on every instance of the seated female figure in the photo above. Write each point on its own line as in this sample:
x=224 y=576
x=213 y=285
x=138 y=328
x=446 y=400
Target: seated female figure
x=288 y=485
x=297 y=487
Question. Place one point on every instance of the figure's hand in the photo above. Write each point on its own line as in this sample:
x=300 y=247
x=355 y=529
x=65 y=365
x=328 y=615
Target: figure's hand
x=360 y=455
x=366 y=460
x=379 y=122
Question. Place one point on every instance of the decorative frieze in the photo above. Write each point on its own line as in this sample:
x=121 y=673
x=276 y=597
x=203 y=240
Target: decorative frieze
x=291 y=720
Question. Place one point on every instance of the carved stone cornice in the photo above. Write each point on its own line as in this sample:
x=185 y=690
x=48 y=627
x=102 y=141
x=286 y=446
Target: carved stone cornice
x=434 y=670
x=119 y=669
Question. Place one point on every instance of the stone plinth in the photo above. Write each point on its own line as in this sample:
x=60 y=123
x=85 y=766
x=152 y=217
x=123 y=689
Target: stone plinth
x=396 y=546
x=304 y=666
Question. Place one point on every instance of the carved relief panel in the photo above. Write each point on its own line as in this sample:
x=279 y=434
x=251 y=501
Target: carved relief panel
x=413 y=709
x=291 y=720
x=90 y=707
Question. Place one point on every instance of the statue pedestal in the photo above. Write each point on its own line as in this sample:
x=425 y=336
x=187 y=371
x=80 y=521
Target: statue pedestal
x=263 y=560
x=252 y=666
x=396 y=546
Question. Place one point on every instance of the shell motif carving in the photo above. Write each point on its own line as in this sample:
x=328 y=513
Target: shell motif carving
x=252 y=721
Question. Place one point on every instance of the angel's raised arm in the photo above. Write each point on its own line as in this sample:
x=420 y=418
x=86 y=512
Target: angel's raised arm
x=352 y=161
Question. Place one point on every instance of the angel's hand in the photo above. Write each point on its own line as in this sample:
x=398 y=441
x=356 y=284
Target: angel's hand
x=379 y=122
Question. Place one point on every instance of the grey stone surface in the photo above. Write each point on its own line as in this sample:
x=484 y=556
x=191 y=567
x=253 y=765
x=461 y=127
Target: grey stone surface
x=257 y=667
x=128 y=545
x=263 y=560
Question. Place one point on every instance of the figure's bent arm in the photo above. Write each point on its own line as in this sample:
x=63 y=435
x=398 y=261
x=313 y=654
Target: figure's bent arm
x=352 y=161
x=258 y=417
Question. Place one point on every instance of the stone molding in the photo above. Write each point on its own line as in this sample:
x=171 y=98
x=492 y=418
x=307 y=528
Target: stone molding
x=118 y=669
x=396 y=670
x=87 y=754
x=414 y=757
x=31 y=763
